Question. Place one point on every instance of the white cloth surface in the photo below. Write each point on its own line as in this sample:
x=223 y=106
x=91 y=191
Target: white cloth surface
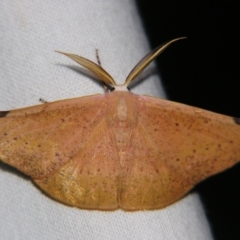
x=30 y=70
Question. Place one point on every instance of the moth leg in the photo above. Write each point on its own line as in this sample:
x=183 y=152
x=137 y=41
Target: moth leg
x=97 y=57
x=106 y=89
x=42 y=100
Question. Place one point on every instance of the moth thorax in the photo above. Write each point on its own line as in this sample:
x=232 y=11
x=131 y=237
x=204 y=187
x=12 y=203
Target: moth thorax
x=122 y=110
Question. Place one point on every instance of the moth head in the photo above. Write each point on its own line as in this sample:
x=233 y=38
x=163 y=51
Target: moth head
x=103 y=76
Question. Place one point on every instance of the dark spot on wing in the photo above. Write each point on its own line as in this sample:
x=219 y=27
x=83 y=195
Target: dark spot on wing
x=236 y=120
x=4 y=113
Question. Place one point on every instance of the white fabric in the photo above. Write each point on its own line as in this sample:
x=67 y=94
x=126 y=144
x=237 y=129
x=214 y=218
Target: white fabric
x=30 y=69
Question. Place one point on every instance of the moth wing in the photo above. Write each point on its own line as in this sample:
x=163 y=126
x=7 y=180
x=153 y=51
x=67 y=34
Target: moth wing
x=173 y=147
x=66 y=148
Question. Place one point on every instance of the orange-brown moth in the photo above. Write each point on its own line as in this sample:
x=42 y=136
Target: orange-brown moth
x=119 y=149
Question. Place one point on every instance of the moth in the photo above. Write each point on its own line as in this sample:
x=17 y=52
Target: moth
x=118 y=149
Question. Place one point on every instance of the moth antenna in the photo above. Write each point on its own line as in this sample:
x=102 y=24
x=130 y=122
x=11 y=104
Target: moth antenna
x=97 y=70
x=146 y=60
